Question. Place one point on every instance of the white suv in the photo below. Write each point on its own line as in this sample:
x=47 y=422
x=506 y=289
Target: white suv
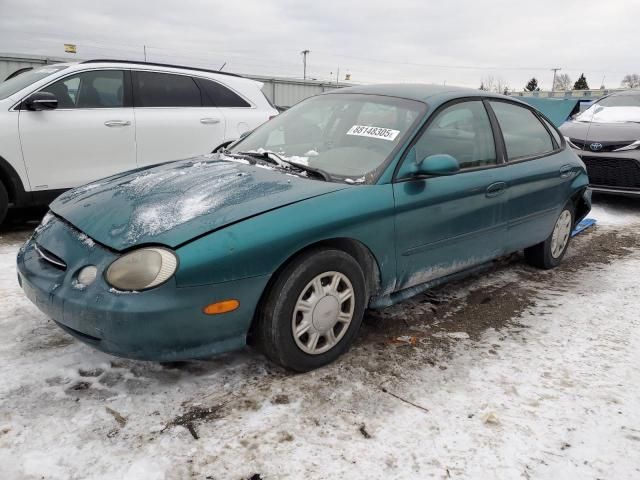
x=64 y=125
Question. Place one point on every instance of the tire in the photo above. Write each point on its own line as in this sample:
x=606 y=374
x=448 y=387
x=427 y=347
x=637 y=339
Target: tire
x=294 y=301
x=4 y=203
x=549 y=254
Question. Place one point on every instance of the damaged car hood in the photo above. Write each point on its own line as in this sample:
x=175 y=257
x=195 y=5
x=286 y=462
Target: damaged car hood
x=172 y=203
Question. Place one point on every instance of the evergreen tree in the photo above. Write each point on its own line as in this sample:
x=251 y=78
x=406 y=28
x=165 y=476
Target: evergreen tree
x=581 y=83
x=532 y=85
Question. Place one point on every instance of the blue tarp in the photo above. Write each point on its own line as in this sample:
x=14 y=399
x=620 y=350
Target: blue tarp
x=555 y=109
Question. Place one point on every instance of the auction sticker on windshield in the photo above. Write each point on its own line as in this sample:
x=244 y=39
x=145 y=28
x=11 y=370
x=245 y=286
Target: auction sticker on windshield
x=373 y=132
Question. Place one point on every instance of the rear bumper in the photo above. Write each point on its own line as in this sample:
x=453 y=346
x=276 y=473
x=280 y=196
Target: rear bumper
x=161 y=324
x=613 y=172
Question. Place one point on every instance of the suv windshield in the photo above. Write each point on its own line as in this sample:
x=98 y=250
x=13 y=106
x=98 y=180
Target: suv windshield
x=349 y=136
x=25 y=79
x=613 y=109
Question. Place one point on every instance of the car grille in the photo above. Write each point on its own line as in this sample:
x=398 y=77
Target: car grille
x=606 y=146
x=46 y=256
x=613 y=172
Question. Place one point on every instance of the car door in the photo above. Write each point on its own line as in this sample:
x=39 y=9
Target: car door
x=172 y=121
x=90 y=135
x=239 y=114
x=537 y=174
x=445 y=224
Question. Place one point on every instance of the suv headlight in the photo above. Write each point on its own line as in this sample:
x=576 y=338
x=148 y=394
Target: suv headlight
x=142 y=269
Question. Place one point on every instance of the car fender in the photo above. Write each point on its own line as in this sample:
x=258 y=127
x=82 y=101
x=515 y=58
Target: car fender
x=262 y=244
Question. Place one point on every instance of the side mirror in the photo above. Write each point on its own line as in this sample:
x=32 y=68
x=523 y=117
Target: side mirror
x=41 y=101
x=438 y=164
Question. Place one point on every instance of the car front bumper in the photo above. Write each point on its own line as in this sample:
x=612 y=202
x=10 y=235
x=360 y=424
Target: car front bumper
x=613 y=172
x=162 y=324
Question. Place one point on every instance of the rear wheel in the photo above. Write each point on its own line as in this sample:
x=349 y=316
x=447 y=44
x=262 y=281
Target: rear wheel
x=549 y=254
x=313 y=311
x=4 y=203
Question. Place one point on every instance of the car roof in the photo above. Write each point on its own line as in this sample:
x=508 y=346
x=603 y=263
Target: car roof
x=164 y=65
x=243 y=84
x=417 y=91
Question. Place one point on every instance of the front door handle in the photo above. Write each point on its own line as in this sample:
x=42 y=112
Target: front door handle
x=495 y=189
x=209 y=121
x=117 y=123
x=566 y=171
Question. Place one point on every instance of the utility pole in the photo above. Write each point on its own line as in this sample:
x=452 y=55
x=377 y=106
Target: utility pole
x=145 y=52
x=553 y=85
x=338 y=76
x=304 y=63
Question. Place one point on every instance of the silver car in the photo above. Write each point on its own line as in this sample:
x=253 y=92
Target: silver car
x=607 y=138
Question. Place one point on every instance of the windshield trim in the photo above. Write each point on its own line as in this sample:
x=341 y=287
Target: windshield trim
x=380 y=170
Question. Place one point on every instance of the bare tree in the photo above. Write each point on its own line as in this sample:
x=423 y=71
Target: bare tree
x=501 y=86
x=631 y=80
x=493 y=84
x=563 y=82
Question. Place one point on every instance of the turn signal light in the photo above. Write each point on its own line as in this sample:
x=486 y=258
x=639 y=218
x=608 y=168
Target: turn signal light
x=221 y=307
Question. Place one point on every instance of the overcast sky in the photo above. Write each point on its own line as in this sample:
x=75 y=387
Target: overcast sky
x=454 y=41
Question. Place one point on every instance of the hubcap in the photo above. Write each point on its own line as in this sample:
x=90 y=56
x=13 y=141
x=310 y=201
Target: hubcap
x=323 y=313
x=560 y=235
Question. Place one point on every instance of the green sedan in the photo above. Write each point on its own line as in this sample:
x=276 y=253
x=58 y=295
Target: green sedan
x=354 y=199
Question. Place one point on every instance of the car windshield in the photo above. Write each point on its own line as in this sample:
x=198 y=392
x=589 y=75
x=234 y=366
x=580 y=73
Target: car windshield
x=613 y=109
x=17 y=83
x=348 y=136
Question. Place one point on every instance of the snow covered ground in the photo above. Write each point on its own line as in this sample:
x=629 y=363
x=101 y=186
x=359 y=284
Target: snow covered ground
x=515 y=373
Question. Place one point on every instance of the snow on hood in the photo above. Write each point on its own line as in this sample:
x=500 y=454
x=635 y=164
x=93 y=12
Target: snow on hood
x=175 y=202
x=610 y=114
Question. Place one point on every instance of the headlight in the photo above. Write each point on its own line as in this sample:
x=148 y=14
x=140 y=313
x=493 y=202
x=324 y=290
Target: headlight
x=631 y=146
x=142 y=269
x=571 y=144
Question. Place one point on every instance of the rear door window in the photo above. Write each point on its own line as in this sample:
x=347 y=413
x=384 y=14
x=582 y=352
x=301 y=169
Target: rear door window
x=217 y=95
x=154 y=89
x=554 y=132
x=524 y=135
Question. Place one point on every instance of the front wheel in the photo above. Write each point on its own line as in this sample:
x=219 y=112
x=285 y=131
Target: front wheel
x=549 y=254
x=313 y=310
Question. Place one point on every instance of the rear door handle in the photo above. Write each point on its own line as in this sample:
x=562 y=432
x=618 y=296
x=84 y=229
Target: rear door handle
x=117 y=123
x=495 y=189
x=209 y=121
x=566 y=171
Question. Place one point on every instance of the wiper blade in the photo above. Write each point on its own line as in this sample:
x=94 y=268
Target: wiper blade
x=276 y=159
x=317 y=171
